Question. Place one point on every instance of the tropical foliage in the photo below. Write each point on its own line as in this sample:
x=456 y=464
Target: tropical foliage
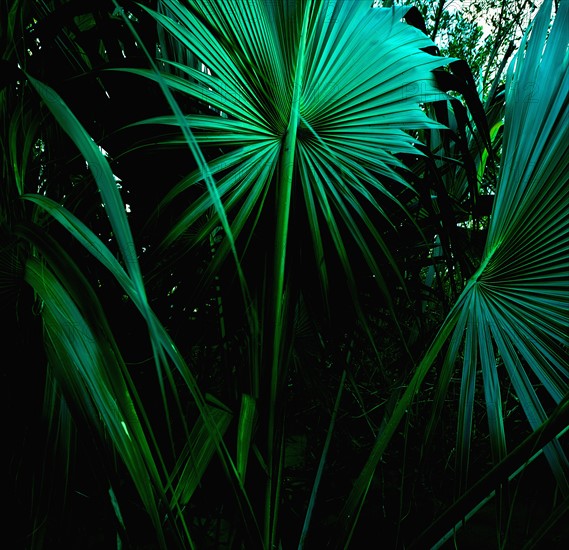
x=280 y=274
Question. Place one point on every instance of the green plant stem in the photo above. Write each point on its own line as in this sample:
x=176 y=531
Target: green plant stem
x=284 y=192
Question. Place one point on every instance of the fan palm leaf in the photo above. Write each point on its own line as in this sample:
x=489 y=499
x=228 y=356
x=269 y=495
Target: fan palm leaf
x=514 y=310
x=345 y=137
x=308 y=100
x=520 y=301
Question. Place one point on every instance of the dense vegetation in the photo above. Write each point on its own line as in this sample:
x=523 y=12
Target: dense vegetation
x=281 y=274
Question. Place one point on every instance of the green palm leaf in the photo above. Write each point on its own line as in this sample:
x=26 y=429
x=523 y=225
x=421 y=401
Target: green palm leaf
x=516 y=306
x=308 y=99
x=521 y=293
x=346 y=135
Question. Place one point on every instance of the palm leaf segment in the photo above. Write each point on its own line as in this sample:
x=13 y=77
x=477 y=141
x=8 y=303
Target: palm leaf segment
x=361 y=75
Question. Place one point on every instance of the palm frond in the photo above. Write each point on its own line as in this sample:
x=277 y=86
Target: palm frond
x=347 y=135
x=285 y=130
x=515 y=306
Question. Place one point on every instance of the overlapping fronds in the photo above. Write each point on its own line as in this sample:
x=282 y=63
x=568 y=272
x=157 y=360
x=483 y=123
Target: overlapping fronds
x=67 y=346
x=306 y=123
